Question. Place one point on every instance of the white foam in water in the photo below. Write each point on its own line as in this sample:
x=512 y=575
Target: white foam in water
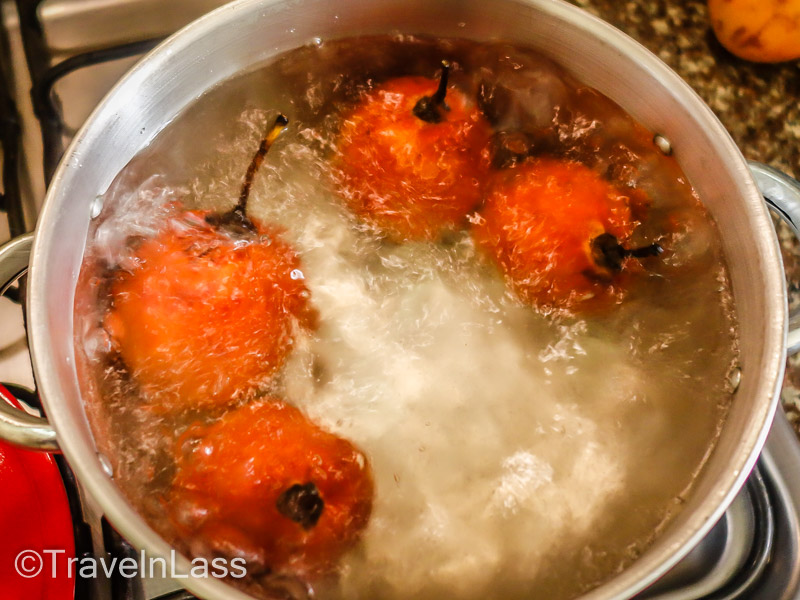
x=472 y=442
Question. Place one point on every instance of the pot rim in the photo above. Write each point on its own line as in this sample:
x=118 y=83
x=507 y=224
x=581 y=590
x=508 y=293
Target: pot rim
x=671 y=546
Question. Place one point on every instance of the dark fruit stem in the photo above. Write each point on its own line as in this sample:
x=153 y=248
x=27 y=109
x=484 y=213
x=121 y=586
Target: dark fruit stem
x=441 y=91
x=428 y=108
x=237 y=218
x=608 y=253
x=302 y=504
x=272 y=134
x=644 y=251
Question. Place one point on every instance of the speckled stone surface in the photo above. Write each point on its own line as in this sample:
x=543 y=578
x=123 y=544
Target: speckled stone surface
x=759 y=105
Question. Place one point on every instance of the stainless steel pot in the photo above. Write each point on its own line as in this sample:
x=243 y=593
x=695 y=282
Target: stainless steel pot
x=246 y=33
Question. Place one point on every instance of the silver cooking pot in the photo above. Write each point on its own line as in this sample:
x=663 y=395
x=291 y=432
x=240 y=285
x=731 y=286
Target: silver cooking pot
x=246 y=33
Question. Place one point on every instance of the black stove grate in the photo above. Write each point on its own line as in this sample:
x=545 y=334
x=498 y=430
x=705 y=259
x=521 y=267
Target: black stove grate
x=44 y=75
x=10 y=198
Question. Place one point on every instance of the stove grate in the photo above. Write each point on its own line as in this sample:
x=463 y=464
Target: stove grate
x=44 y=75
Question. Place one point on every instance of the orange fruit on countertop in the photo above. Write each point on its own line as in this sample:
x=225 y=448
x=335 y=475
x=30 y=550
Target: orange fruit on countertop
x=758 y=30
x=267 y=484
x=409 y=178
x=200 y=317
x=547 y=222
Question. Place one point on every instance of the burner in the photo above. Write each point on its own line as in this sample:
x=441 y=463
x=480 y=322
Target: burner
x=753 y=553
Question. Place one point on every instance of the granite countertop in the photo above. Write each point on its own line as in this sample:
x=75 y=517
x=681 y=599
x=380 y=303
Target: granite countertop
x=759 y=104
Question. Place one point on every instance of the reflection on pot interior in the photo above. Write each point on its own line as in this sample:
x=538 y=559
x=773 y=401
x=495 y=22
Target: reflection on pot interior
x=466 y=334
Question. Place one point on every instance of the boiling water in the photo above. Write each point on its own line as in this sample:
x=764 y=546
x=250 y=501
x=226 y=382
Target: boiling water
x=515 y=453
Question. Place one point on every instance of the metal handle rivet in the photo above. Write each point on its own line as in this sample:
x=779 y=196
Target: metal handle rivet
x=106 y=465
x=96 y=208
x=662 y=144
x=734 y=379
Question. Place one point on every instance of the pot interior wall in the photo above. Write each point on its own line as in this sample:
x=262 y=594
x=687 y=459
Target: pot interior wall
x=245 y=34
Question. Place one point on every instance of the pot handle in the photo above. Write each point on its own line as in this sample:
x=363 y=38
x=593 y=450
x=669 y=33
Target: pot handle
x=782 y=194
x=17 y=426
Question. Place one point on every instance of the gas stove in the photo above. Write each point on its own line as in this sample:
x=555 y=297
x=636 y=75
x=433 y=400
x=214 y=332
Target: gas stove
x=57 y=59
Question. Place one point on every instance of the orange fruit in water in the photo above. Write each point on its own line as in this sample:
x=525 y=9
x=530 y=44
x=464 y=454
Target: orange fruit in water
x=202 y=318
x=539 y=222
x=410 y=178
x=266 y=484
x=758 y=30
